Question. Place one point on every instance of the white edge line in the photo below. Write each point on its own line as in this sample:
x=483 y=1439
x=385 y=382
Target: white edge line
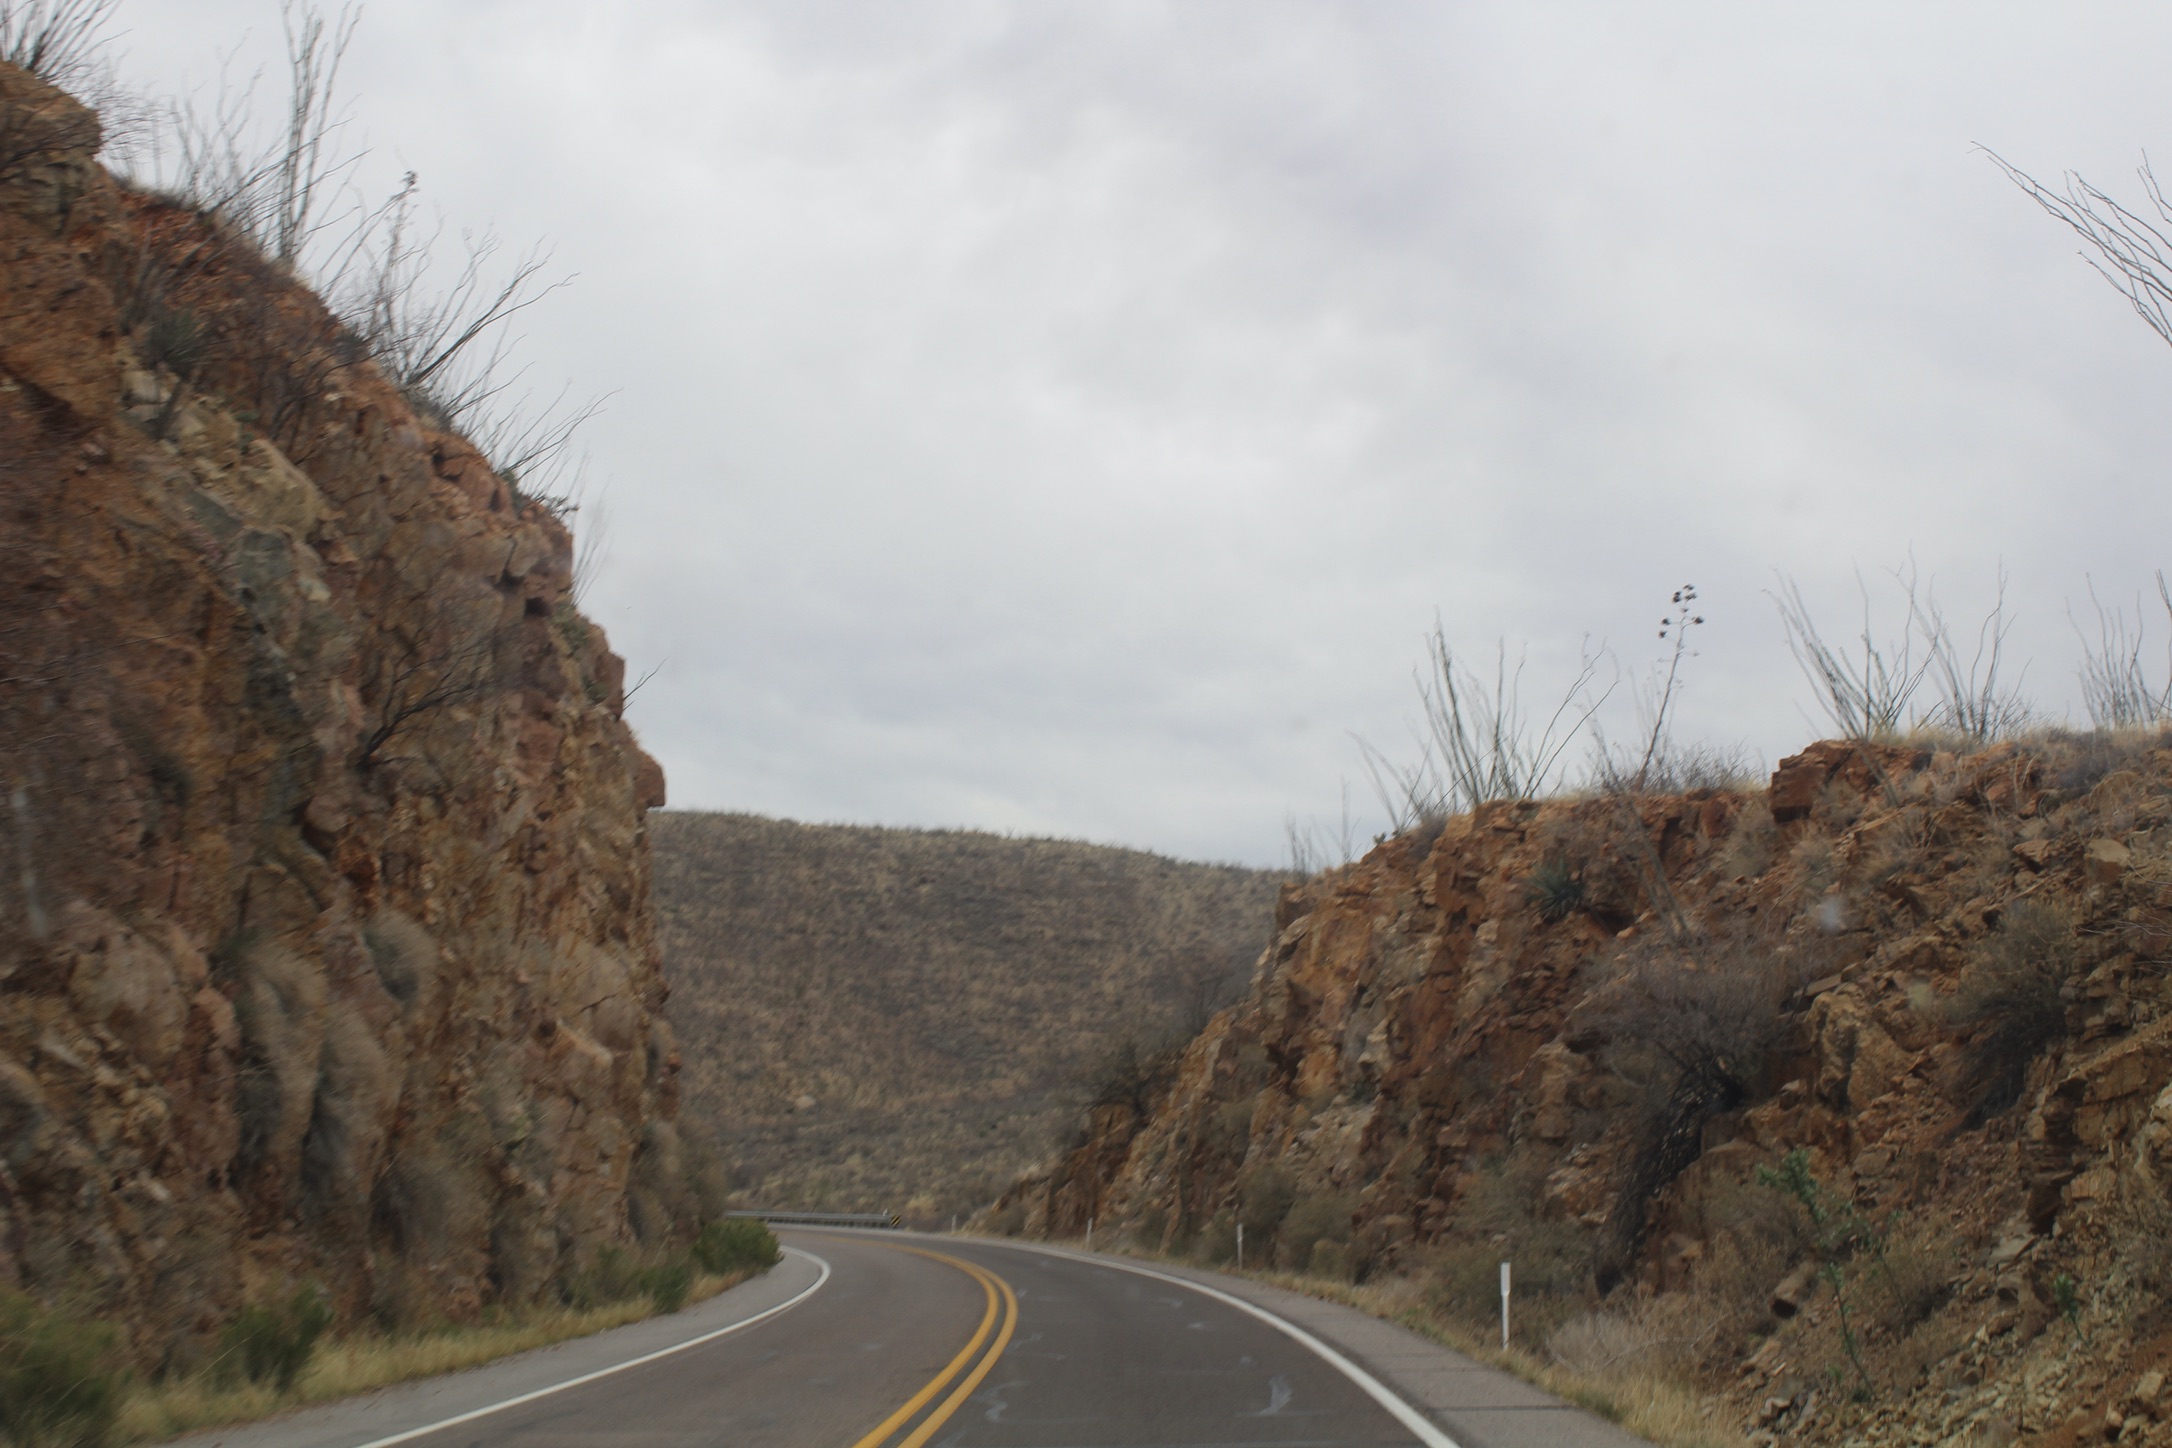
x=1379 y=1392
x=473 y=1413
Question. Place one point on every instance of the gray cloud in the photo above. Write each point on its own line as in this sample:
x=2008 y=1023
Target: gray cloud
x=1069 y=418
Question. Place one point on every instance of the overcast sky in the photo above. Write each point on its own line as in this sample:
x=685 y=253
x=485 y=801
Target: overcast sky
x=1070 y=418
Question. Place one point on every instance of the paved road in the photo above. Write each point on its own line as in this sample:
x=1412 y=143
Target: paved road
x=886 y=1340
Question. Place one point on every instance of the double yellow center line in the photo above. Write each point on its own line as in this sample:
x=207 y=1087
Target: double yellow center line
x=1003 y=1305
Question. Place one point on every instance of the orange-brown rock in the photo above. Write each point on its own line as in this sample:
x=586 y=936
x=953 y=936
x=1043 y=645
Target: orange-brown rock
x=324 y=926
x=1939 y=976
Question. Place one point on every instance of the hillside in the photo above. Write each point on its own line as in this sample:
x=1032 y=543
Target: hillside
x=325 y=917
x=904 y=1019
x=1844 y=1104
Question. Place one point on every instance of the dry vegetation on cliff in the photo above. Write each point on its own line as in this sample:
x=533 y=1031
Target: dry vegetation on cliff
x=1852 y=1115
x=888 y=1019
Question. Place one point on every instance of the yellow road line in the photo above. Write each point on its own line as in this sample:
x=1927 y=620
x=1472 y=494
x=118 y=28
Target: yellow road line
x=964 y=1390
x=989 y=1284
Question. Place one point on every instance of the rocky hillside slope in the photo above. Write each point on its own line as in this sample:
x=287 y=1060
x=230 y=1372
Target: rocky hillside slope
x=323 y=859
x=1848 y=1102
x=902 y=1019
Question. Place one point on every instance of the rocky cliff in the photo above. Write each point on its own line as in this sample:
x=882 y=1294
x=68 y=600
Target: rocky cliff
x=324 y=926
x=1848 y=1102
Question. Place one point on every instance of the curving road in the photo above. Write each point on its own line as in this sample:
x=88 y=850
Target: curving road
x=889 y=1340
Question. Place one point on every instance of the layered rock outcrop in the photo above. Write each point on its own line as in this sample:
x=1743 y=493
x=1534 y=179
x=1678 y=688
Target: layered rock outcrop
x=324 y=926
x=1591 y=1035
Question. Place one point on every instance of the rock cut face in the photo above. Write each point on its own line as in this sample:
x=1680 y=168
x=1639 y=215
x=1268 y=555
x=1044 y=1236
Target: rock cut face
x=1656 y=1048
x=324 y=881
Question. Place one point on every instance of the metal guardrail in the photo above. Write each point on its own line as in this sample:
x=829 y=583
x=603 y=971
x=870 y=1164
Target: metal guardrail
x=824 y=1219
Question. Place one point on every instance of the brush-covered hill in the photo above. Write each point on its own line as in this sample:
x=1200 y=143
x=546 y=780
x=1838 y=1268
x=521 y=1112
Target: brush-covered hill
x=903 y=1019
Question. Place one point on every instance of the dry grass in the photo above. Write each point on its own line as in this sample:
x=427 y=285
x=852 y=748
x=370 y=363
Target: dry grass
x=342 y=1368
x=1645 y=1402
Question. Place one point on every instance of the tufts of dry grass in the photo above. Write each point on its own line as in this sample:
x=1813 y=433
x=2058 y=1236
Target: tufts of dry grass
x=1627 y=1390
x=347 y=1366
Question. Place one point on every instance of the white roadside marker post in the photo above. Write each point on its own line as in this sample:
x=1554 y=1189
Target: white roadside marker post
x=1089 y=1234
x=1240 y=1246
x=1504 y=1307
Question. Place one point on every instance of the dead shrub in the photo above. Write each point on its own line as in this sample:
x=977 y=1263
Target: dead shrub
x=433 y=1200
x=1131 y=1074
x=1314 y=1221
x=1752 y=845
x=1928 y=1345
x=1693 y=1023
x=1498 y=1219
x=1916 y=1269
x=1599 y=1343
x=1816 y=864
x=2010 y=998
x=1754 y=1237
x=2074 y=761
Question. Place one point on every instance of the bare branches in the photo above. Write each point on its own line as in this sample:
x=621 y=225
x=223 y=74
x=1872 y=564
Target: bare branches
x=1477 y=744
x=55 y=40
x=1866 y=700
x=301 y=171
x=444 y=658
x=2132 y=251
x=2116 y=690
x=418 y=339
x=1971 y=700
x=1873 y=697
x=1312 y=849
x=447 y=351
x=271 y=191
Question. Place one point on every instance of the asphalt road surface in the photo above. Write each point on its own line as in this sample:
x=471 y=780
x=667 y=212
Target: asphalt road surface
x=888 y=1340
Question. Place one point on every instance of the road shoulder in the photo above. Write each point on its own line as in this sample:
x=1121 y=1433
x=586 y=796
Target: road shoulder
x=405 y=1407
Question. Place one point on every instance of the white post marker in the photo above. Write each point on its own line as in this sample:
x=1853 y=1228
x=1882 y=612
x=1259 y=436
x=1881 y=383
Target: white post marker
x=1089 y=1234
x=1504 y=1307
x=1240 y=1246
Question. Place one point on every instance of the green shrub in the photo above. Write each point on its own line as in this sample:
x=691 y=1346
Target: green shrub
x=60 y=1379
x=611 y=1276
x=736 y=1244
x=667 y=1285
x=272 y=1343
x=1555 y=890
x=1217 y=1241
x=1264 y=1195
